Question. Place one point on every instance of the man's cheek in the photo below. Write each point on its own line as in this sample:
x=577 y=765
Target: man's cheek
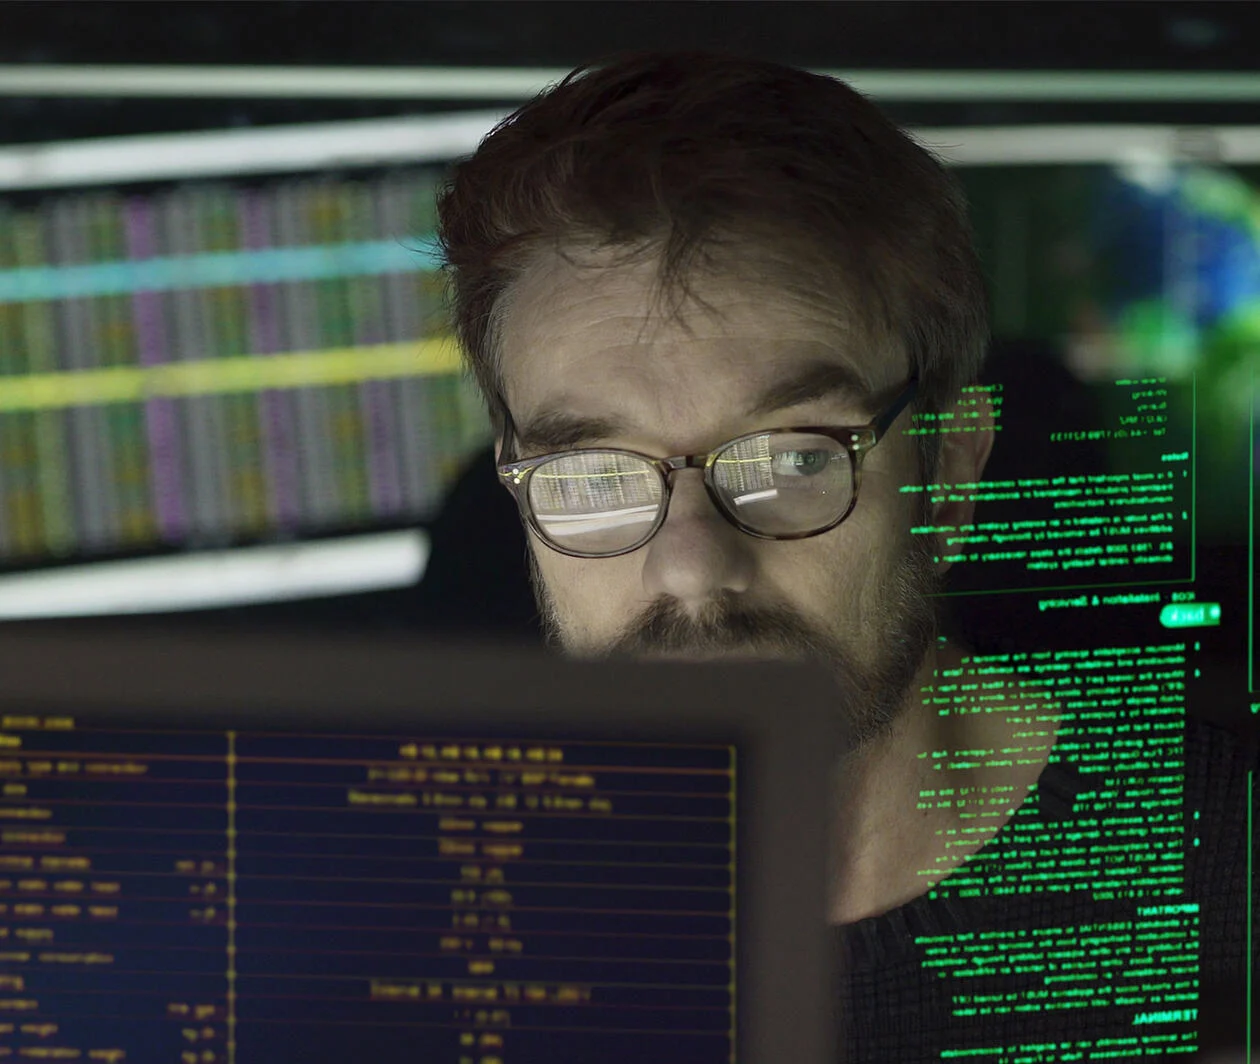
x=602 y=603
x=578 y=596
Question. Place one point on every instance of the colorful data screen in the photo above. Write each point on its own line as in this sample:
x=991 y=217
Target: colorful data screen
x=221 y=363
x=200 y=897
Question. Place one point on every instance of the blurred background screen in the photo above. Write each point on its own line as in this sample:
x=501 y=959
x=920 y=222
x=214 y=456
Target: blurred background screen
x=223 y=360
x=225 y=375
x=226 y=382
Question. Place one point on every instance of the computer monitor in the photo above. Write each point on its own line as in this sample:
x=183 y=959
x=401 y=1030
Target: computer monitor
x=225 y=352
x=310 y=850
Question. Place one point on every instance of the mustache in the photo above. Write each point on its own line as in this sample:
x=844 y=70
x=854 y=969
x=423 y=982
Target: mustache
x=725 y=624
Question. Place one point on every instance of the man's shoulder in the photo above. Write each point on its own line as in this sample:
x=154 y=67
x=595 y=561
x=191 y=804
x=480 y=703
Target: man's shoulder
x=1219 y=757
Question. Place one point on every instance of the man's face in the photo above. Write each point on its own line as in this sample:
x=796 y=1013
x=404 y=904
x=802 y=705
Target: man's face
x=588 y=361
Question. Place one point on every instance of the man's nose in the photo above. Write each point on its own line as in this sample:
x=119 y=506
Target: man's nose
x=697 y=553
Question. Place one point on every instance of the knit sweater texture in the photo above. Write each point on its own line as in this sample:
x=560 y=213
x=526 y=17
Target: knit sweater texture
x=1022 y=957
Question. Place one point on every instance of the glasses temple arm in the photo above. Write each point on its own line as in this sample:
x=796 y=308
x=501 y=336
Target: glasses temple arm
x=509 y=436
x=885 y=420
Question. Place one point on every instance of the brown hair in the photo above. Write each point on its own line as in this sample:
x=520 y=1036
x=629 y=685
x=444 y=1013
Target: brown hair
x=682 y=153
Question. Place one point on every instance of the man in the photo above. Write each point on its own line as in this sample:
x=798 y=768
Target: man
x=708 y=300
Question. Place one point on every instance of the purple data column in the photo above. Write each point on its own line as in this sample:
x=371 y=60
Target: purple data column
x=279 y=427
x=165 y=460
x=369 y=324
x=402 y=304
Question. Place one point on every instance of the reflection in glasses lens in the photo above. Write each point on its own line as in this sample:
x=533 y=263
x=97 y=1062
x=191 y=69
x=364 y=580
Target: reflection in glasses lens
x=776 y=484
x=596 y=502
x=784 y=483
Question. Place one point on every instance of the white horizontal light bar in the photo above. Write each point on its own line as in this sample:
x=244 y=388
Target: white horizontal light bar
x=442 y=138
x=287 y=82
x=1034 y=145
x=1103 y=86
x=217 y=579
x=756 y=496
x=583 y=524
x=510 y=83
x=272 y=149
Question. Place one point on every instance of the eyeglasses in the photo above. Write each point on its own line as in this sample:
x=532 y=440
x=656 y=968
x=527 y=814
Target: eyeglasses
x=788 y=483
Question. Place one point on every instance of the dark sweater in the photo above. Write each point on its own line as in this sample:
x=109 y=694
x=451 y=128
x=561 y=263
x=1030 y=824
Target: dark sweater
x=917 y=987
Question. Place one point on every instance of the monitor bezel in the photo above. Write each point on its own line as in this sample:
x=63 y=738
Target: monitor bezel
x=782 y=719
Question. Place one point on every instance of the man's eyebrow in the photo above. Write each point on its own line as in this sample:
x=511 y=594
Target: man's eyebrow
x=814 y=380
x=556 y=429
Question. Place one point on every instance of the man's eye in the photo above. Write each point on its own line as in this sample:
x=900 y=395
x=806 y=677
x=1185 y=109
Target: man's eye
x=799 y=463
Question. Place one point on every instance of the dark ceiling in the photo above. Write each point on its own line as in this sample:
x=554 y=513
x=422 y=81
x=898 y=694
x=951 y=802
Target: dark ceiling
x=1008 y=35
x=999 y=35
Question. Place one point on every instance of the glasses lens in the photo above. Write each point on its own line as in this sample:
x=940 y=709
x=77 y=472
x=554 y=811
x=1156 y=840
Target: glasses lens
x=595 y=502
x=780 y=483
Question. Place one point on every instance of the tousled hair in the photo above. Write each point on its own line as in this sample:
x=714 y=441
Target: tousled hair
x=688 y=156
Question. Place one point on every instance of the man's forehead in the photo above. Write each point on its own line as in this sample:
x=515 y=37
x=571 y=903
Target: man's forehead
x=600 y=315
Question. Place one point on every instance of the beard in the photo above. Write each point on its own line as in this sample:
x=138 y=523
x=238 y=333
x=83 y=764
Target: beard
x=873 y=683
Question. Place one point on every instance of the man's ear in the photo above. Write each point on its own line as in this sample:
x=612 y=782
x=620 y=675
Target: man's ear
x=967 y=430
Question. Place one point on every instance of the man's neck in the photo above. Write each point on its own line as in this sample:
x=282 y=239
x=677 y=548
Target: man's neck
x=914 y=807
